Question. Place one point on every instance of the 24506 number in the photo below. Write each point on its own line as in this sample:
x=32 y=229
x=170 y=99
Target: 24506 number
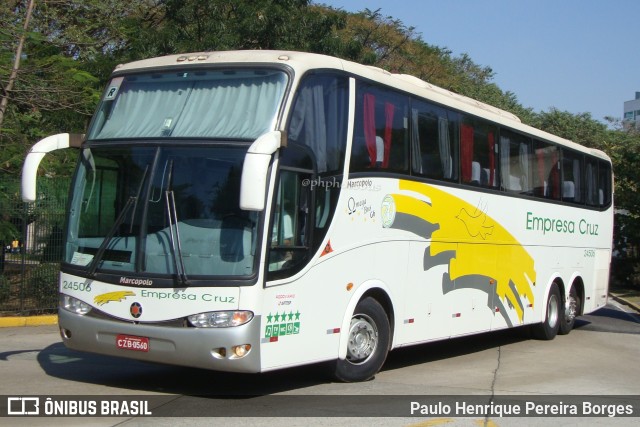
x=76 y=286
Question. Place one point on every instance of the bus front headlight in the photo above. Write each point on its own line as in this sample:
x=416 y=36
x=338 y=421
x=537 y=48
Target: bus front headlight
x=74 y=305
x=220 y=319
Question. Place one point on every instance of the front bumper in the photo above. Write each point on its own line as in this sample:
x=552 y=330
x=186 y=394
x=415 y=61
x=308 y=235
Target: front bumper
x=184 y=346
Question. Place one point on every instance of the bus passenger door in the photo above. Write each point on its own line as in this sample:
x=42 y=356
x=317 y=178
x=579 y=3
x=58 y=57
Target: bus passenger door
x=290 y=231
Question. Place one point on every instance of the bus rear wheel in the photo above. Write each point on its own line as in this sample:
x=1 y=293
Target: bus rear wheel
x=570 y=312
x=548 y=329
x=368 y=345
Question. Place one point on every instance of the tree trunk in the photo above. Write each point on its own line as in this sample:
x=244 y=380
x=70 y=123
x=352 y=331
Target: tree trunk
x=4 y=102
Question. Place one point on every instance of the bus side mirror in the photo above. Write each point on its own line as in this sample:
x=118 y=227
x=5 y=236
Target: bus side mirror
x=37 y=153
x=253 y=185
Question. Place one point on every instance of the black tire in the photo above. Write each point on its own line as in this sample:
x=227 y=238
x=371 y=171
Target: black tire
x=548 y=329
x=369 y=341
x=570 y=313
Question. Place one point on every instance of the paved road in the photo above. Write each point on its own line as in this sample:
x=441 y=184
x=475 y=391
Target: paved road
x=600 y=357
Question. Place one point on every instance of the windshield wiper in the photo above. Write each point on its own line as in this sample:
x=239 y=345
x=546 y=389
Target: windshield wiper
x=103 y=247
x=172 y=214
x=176 y=250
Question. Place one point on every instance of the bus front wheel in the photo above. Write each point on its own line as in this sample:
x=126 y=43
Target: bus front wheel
x=368 y=345
x=548 y=329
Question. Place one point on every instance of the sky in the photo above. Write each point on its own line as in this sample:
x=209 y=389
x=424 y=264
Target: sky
x=581 y=56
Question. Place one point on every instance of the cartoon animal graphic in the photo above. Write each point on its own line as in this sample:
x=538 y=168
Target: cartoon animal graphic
x=476 y=223
x=113 y=296
x=472 y=243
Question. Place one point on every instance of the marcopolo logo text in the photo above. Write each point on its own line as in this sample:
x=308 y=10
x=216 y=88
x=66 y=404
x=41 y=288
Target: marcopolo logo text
x=138 y=282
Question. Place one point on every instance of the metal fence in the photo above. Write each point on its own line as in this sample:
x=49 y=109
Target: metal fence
x=31 y=235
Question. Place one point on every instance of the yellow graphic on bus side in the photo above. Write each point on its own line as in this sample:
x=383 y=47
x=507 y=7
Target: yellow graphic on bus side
x=479 y=245
x=476 y=223
x=113 y=296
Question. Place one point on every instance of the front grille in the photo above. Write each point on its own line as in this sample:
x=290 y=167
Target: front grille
x=172 y=323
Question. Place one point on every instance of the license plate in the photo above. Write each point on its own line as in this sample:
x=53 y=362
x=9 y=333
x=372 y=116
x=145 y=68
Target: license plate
x=129 y=342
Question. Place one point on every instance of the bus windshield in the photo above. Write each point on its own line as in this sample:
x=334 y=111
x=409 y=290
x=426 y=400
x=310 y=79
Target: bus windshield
x=193 y=104
x=161 y=211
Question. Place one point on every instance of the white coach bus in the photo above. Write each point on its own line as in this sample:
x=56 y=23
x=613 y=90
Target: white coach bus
x=256 y=210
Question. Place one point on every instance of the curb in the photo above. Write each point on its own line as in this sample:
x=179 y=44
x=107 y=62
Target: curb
x=621 y=300
x=9 y=322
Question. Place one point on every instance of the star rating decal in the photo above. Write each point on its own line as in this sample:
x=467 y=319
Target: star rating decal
x=281 y=324
x=284 y=316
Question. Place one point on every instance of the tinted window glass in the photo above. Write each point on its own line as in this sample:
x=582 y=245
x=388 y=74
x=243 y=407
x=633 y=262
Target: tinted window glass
x=604 y=183
x=546 y=171
x=434 y=139
x=319 y=119
x=572 y=185
x=381 y=140
x=478 y=165
x=515 y=163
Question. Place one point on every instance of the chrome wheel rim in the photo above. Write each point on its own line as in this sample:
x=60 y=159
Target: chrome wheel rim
x=571 y=311
x=363 y=339
x=552 y=311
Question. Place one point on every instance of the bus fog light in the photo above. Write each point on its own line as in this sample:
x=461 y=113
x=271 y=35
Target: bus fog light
x=241 y=350
x=74 y=305
x=219 y=353
x=220 y=319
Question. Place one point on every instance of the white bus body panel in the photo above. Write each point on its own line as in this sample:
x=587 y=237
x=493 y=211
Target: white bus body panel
x=450 y=261
x=478 y=263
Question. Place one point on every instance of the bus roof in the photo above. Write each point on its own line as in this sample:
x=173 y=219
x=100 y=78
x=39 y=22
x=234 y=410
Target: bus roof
x=301 y=62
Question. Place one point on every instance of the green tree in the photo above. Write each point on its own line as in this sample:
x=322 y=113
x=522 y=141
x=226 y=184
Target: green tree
x=8 y=230
x=580 y=128
x=623 y=146
x=47 y=91
x=70 y=47
x=7 y=88
x=193 y=25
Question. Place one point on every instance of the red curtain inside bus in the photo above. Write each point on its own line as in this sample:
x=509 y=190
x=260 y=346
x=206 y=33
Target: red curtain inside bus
x=370 y=126
x=389 y=110
x=369 y=111
x=466 y=151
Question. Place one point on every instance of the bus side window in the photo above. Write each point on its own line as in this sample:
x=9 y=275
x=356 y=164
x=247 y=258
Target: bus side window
x=478 y=158
x=572 y=167
x=433 y=143
x=604 y=184
x=381 y=138
x=546 y=172
x=515 y=162
x=319 y=119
